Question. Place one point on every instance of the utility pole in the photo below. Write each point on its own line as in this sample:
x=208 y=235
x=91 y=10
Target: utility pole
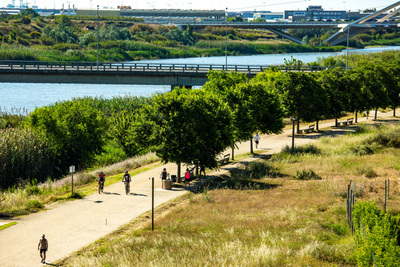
x=98 y=37
x=226 y=39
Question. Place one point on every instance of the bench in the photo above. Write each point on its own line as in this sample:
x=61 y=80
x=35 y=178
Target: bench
x=224 y=160
x=343 y=123
x=309 y=129
x=350 y=121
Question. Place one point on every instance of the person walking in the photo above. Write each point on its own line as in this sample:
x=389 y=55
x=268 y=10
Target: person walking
x=42 y=247
x=163 y=176
x=256 y=139
x=203 y=169
x=187 y=178
x=126 y=179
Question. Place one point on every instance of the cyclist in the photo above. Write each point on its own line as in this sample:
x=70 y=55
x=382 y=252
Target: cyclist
x=101 y=179
x=126 y=179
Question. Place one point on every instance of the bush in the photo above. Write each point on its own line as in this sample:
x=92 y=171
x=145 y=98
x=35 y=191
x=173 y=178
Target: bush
x=33 y=205
x=376 y=236
x=35 y=35
x=26 y=20
x=362 y=150
x=307 y=175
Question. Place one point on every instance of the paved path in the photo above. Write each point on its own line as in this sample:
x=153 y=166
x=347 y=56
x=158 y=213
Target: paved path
x=72 y=225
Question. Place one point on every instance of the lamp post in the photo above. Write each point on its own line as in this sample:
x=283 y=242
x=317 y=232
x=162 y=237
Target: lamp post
x=347 y=51
x=98 y=37
x=226 y=39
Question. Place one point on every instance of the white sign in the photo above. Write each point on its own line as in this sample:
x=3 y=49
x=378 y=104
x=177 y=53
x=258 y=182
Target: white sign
x=72 y=169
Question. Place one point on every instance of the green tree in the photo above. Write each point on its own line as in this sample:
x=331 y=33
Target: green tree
x=186 y=126
x=334 y=84
x=303 y=97
x=373 y=85
x=76 y=129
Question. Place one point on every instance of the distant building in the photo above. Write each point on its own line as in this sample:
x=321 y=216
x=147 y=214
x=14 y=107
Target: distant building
x=315 y=13
x=268 y=15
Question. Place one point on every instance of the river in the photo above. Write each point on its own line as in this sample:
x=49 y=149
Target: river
x=17 y=96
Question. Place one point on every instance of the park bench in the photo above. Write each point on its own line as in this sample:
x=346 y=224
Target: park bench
x=224 y=160
x=310 y=129
x=350 y=121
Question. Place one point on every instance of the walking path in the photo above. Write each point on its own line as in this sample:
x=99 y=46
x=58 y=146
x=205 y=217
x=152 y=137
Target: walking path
x=72 y=225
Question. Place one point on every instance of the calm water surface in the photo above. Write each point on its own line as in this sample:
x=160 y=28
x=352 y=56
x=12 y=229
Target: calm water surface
x=31 y=95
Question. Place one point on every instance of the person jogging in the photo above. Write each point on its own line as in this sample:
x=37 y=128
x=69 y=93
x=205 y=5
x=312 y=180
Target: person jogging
x=42 y=247
x=126 y=179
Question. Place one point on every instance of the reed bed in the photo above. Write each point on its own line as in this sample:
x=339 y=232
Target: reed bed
x=287 y=223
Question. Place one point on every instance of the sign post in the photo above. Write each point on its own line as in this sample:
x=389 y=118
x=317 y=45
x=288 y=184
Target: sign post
x=72 y=170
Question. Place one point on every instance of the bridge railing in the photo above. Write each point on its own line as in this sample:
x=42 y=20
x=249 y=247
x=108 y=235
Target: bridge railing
x=49 y=66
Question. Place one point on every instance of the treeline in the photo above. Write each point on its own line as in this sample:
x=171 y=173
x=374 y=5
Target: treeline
x=186 y=126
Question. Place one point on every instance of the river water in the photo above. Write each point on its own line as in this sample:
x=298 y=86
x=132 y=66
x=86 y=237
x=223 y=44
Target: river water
x=18 y=96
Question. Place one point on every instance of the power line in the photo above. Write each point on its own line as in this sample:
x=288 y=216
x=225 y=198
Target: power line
x=280 y=4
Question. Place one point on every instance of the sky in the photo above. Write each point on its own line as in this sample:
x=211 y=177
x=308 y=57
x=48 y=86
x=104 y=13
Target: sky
x=232 y=5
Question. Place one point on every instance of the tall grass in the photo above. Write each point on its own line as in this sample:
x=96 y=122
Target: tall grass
x=24 y=155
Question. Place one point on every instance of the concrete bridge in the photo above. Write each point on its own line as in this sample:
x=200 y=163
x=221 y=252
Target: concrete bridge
x=187 y=75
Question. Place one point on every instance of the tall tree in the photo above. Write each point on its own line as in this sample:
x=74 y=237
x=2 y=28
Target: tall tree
x=186 y=126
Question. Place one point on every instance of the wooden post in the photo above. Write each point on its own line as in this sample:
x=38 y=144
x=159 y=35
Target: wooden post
x=385 y=193
x=388 y=188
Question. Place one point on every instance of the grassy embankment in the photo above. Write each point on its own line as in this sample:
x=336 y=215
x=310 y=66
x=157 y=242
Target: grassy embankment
x=278 y=220
x=33 y=197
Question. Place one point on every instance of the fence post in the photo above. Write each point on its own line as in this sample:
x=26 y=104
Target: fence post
x=385 y=193
x=388 y=190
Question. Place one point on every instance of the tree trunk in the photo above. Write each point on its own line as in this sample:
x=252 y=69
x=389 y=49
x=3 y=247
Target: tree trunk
x=298 y=126
x=356 y=115
x=335 y=121
x=317 y=125
x=376 y=113
x=251 y=145
x=178 y=178
x=394 y=112
x=233 y=152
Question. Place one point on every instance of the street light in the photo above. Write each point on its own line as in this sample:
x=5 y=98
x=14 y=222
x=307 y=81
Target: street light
x=347 y=51
x=226 y=39
x=97 y=37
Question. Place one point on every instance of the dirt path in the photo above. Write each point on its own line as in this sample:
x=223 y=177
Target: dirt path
x=70 y=226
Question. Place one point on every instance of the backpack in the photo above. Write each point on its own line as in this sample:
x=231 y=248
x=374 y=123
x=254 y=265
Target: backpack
x=187 y=175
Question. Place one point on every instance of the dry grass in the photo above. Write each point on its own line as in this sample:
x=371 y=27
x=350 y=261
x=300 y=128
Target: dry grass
x=294 y=223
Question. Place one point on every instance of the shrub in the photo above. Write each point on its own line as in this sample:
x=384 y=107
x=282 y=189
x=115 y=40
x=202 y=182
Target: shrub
x=26 y=20
x=64 y=47
x=307 y=175
x=33 y=205
x=376 y=235
x=35 y=35
x=362 y=150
